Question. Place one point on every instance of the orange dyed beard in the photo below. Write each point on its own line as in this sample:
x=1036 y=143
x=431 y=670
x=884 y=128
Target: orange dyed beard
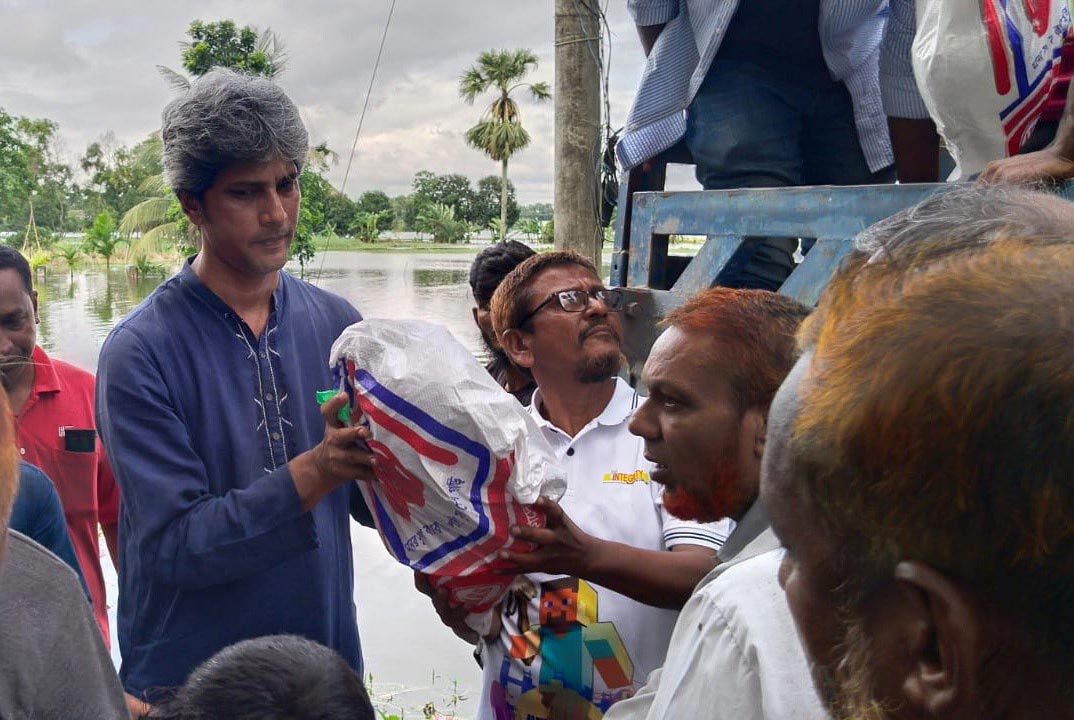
x=720 y=499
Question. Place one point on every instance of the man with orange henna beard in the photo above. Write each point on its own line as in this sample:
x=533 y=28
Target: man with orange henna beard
x=711 y=378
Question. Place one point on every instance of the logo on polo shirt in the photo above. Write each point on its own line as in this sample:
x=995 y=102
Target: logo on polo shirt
x=627 y=478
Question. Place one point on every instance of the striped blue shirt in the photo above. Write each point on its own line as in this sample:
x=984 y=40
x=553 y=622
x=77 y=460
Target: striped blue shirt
x=902 y=99
x=850 y=33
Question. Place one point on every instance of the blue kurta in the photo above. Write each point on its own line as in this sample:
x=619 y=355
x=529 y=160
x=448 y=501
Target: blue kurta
x=199 y=418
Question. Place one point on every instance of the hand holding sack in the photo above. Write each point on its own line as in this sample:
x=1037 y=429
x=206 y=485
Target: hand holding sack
x=984 y=69
x=459 y=460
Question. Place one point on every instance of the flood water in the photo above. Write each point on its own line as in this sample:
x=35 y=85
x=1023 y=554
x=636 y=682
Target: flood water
x=412 y=658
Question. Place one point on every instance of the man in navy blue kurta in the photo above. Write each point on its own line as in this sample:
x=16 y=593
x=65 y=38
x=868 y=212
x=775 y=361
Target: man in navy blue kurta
x=234 y=518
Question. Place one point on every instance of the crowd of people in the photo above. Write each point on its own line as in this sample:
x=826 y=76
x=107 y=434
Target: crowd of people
x=862 y=510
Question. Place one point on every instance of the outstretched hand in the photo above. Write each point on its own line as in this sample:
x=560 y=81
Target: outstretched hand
x=562 y=547
x=1046 y=164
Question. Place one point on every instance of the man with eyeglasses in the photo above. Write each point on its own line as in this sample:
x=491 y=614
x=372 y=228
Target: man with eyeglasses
x=593 y=612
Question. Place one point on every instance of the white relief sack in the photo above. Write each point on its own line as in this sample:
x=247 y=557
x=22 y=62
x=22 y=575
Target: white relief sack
x=459 y=460
x=984 y=69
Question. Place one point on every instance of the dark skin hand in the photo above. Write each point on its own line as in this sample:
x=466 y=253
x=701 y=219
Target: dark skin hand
x=336 y=460
x=660 y=578
x=454 y=616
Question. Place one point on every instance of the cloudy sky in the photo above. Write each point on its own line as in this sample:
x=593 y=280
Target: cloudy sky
x=91 y=67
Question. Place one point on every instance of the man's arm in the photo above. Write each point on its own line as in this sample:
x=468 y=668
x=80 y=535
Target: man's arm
x=190 y=536
x=916 y=145
x=648 y=35
x=1055 y=162
x=660 y=578
x=914 y=139
x=650 y=17
x=108 y=506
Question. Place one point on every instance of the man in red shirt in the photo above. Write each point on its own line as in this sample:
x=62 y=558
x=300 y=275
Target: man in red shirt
x=53 y=407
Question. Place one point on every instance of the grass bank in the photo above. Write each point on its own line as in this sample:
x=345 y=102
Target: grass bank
x=399 y=245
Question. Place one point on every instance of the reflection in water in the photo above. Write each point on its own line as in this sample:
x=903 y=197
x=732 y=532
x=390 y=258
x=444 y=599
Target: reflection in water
x=436 y=278
x=78 y=312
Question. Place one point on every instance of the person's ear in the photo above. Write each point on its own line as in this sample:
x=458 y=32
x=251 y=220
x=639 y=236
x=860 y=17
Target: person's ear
x=755 y=425
x=941 y=631
x=33 y=301
x=192 y=208
x=517 y=346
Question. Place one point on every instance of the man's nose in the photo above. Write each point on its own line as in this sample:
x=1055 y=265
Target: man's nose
x=641 y=424
x=273 y=211
x=596 y=306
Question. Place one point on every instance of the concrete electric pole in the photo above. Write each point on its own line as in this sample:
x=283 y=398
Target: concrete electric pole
x=578 y=142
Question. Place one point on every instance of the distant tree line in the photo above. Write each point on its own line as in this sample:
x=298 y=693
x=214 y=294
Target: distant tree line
x=121 y=201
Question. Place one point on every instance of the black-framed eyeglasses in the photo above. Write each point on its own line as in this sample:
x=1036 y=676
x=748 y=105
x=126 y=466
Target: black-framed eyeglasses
x=576 y=300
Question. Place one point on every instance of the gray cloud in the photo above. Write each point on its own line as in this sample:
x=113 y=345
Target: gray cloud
x=92 y=68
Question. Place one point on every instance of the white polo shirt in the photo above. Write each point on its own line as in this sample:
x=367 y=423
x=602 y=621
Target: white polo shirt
x=567 y=643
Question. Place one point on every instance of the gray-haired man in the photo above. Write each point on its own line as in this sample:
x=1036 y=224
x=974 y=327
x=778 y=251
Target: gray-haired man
x=235 y=492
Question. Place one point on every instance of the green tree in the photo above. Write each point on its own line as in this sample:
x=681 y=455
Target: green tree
x=367 y=225
x=487 y=204
x=405 y=208
x=223 y=44
x=122 y=177
x=32 y=174
x=453 y=190
x=53 y=188
x=499 y=133
x=443 y=224
x=16 y=180
x=158 y=223
x=302 y=246
x=531 y=228
x=71 y=254
x=102 y=238
x=375 y=201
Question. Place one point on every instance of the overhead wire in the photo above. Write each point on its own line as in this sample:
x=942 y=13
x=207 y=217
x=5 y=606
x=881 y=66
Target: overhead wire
x=361 y=121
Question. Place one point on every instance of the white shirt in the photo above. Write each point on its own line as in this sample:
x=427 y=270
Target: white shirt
x=735 y=653
x=605 y=644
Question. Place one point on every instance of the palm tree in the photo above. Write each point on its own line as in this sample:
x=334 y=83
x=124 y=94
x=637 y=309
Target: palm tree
x=500 y=134
x=102 y=238
x=72 y=255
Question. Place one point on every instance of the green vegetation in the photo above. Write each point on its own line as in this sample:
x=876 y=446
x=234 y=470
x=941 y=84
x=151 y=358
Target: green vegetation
x=102 y=238
x=499 y=134
x=121 y=207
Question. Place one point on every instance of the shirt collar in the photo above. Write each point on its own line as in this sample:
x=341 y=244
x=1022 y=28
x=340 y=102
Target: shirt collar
x=45 y=378
x=753 y=523
x=619 y=409
x=190 y=279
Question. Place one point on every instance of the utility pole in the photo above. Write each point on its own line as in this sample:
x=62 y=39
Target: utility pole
x=577 y=111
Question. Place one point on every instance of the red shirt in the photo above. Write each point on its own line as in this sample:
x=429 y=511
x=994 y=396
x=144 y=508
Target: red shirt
x=62 y=396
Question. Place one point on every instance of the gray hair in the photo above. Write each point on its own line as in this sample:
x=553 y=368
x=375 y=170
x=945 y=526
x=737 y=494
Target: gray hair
x=226 y=118
x=964 y=218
